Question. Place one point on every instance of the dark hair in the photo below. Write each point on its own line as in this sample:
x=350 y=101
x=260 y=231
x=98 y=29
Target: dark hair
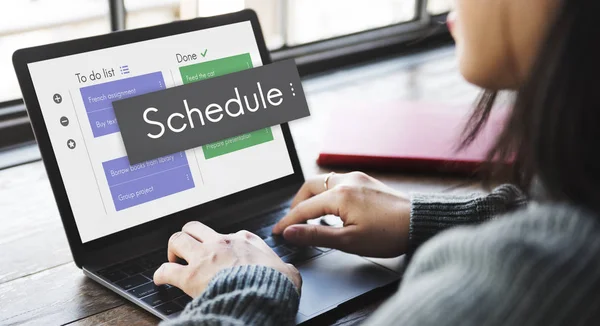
x=555 y=121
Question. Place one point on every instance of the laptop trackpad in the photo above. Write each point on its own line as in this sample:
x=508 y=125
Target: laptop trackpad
x=336 y=278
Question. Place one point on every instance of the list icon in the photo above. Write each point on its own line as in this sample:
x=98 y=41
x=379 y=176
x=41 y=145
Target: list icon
x=57 y=98
x=71 y=144
x=64 y=121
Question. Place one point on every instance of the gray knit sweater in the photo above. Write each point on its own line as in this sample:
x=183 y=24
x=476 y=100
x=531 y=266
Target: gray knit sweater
x=529 y=264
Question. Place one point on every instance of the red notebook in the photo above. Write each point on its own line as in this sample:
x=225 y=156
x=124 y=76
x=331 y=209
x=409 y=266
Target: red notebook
x=405 y=136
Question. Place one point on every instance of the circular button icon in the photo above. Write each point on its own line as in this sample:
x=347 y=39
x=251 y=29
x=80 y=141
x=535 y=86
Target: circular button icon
x=57 y=98
x=64 y=121
x=71 y=144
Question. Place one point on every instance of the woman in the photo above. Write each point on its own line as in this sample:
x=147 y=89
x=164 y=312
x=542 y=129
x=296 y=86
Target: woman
x=536 y=264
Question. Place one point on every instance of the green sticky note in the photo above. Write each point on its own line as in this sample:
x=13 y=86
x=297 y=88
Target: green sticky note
x=215 y=68
x=237 y=143
x=220 y=67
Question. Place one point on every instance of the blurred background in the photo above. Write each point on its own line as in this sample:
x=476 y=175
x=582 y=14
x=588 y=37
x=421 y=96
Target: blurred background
x=321 y=35
x=286 y=23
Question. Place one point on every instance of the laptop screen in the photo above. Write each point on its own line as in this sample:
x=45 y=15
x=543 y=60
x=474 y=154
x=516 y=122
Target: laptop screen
x=107 y=194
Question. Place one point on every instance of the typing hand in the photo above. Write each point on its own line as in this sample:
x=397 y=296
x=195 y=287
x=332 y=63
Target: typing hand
x=376 y=217
x=207 y=252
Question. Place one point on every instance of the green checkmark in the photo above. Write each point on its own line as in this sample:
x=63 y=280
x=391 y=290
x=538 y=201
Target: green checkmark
x=204 y=53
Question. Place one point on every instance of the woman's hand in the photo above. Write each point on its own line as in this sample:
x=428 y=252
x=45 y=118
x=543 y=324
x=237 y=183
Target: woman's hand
x=207 y=252
x=376 y=217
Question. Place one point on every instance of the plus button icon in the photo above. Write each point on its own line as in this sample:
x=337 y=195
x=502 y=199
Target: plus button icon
x=57 y=98
x=71 y=144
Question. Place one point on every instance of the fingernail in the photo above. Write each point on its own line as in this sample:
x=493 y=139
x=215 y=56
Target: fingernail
x=174 y=236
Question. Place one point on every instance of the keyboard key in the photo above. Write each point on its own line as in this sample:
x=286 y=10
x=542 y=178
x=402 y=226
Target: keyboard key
x=175 y=292
x=276 y=215
x=293 y=248
x=144 y=290
x=146 y=265
x=302 y=255
x=274 y=241
x=270 y=242
x=148 y=262
x=281 y=251
x=264 y=232
x=150 y=273
x=156 y=299
x=163 y=295
x=113 y=275
x=153 y=259
x=323 y=249
x=132 y=282
x=159 y=256
x=183 y=300
x=132 y=268
x=169 y=308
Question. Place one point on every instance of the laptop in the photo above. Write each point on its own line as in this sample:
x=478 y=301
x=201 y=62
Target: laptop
x=118 y=217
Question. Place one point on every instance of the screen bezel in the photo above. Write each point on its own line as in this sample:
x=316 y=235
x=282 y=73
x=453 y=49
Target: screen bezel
x=21 y=59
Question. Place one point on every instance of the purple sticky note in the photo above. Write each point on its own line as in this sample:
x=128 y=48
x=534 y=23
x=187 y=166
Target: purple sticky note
x=132 y=185
x=119 y=170
x=98 y=99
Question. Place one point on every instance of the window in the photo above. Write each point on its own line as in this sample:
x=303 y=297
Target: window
x=28 y=23
x=314 y=20
x=319 y=34
x=436 y=7
x=305 y=29
x=288 y=23
x=142 y=13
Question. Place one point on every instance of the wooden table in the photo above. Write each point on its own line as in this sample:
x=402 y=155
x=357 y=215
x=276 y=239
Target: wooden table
x=40 y=285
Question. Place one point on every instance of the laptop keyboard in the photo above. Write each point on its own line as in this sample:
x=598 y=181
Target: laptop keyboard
x=135 y=276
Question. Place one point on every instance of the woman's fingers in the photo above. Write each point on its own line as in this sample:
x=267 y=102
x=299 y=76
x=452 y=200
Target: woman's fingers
x=314 y=186
x=170 y=273
x=182 y=245
x=317 y=206
x=307 y=190
x=318 y=235
x=200 y=231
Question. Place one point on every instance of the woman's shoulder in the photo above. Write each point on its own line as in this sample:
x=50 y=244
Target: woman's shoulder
x=538 y=232
x=535 y=266
x=539 y=219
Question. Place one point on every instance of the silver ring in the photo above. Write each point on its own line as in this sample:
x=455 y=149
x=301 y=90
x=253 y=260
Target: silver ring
x=326 y=181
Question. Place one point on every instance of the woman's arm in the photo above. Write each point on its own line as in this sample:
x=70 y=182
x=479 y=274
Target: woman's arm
x=243 y=295
x=389 y=221
x=433 y=213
